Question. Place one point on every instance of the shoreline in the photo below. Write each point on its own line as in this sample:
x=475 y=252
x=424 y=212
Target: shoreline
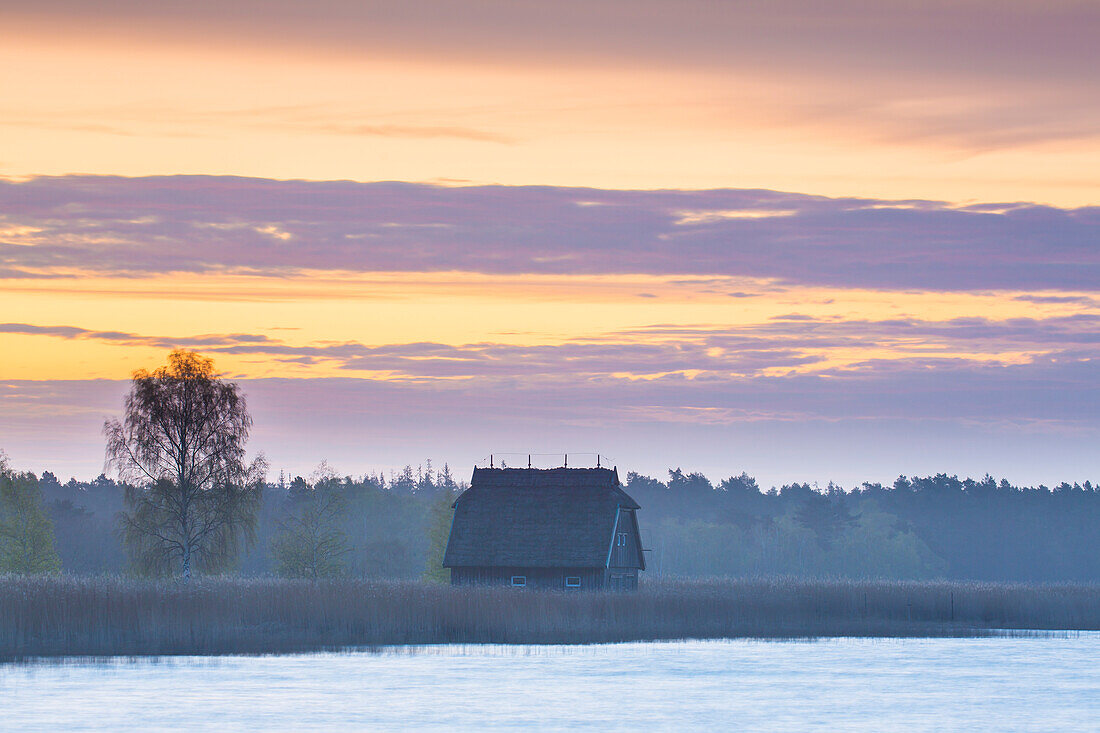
x=522 y=649
x=110 y=617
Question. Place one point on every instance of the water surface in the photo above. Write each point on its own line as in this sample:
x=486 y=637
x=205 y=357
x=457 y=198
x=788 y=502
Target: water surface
x=999 y=684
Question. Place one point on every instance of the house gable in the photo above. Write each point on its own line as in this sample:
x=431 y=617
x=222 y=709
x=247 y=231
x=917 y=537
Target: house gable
x=626 y=543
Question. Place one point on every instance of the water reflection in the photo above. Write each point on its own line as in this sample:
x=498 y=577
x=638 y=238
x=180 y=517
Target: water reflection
x=1038 y=683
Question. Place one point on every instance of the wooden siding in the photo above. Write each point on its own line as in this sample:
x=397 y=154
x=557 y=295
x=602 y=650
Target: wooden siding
x=539 y=578
x=625 y=544
x=621 y=579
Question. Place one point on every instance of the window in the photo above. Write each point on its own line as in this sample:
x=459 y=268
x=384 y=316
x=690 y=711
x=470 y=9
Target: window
x=519 y=581
x=622 y=539
x=572 y=581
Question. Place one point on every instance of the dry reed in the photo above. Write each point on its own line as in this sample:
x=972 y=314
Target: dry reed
x=104 y=616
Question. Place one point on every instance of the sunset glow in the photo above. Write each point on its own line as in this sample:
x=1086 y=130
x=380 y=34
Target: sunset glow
x=747 y=228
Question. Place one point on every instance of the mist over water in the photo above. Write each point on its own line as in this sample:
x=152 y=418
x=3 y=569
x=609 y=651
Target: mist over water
x=996 y=684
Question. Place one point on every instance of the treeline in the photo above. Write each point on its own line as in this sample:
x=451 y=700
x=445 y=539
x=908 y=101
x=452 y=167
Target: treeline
x=324 y=526
x=396 y=527
x=931 y=527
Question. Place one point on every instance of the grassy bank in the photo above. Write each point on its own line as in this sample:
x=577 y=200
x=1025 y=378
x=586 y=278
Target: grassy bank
x=51 y=616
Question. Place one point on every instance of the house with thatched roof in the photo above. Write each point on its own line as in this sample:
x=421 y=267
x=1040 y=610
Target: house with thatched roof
x=558 y=528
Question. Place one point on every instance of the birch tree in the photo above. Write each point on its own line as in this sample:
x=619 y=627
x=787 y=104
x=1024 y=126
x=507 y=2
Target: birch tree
x=191 y=498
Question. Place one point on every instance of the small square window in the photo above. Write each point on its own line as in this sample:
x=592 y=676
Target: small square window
x=572 y=581
x=519 y=581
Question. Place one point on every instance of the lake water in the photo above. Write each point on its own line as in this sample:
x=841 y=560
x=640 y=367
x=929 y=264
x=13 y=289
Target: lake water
x=1002 y=684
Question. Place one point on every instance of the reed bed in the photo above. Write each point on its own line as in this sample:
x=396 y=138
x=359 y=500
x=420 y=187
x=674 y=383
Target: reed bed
x=108 y=616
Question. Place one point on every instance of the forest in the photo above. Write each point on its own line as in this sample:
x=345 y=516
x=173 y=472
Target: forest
x=395 y=527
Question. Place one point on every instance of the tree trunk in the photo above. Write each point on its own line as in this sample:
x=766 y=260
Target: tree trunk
x=186 y=564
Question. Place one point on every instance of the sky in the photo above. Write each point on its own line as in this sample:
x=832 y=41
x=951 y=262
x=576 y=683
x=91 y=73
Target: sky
x=811 y=241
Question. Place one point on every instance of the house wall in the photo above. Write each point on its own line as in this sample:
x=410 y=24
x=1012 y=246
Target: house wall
x=621 y=579
x=624 y=543
x=539 y=578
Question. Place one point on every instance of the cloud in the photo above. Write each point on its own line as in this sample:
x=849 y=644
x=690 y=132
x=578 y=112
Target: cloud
x=145 y=226
x=814 y=398
x=975 y=336
x=1081 y=300
x=132 y=339
x=1063 y=393
x=707 y=354
x=1037 y=420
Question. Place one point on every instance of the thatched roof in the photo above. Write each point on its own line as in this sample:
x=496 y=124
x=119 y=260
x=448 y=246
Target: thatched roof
x=524 y=517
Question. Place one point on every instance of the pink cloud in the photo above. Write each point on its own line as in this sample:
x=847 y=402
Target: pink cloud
x=142 y=226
